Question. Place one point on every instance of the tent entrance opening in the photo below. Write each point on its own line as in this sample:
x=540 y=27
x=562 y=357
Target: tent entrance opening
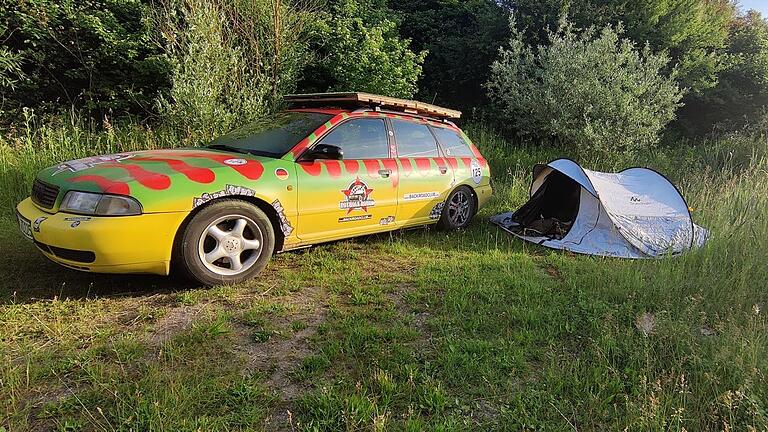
x=552 y=210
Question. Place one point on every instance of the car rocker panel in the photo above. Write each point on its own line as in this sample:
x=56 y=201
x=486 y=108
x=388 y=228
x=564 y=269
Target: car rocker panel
x=78 y=222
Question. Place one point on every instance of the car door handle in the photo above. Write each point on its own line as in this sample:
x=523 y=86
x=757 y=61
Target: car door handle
x=443 y=169
x=385 y=173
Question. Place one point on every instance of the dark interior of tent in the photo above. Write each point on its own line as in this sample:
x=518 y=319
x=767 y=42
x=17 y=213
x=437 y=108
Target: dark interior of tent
x=552 y=210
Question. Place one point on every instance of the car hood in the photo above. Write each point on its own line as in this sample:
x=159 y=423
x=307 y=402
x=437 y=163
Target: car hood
x=162 y=180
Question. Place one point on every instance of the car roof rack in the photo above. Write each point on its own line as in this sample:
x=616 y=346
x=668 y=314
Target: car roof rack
x=371 y=100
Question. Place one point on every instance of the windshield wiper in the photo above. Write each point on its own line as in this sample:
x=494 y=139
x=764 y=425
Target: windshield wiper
x=227 y=147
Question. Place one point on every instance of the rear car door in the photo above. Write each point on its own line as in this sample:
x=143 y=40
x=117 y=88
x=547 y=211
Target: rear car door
x=458 y=154
x=353 y=196
x=426 y=178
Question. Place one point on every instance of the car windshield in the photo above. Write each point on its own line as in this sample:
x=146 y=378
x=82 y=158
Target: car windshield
x=271 y=136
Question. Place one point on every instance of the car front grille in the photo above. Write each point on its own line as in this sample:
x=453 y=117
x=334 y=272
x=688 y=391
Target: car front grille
x=44 y=194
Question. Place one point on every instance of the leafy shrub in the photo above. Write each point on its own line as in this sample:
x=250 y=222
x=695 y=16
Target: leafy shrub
x=231 y=60
x=591 y=90
x=360 y=50
x=693 y=32
x=97 y=55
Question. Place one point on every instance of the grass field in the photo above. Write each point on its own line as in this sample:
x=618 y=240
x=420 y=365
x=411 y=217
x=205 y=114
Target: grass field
x=416 y=330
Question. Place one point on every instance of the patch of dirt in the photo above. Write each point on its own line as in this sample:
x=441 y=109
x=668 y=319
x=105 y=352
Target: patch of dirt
x=553 y=272
x=175 y=321
x=283 y=353
x=419 y=319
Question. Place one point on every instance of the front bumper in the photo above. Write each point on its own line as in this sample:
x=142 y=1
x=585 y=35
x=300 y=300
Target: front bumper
x=124 y=244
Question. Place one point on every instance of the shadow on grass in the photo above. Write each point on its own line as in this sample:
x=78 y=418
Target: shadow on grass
x=27 y=276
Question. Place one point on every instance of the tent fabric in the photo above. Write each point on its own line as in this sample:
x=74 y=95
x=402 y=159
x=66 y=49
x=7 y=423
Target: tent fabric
x=636 y=213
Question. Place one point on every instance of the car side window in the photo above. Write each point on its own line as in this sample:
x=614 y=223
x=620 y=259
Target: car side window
x=414 y=140
x=360 y=139
x=453 y=143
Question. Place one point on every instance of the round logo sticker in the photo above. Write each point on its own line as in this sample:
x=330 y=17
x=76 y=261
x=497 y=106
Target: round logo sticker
x=281 y=173
x=236 y=162
x=477 y=172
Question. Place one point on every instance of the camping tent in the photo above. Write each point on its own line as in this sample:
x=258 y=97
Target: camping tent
x=637 y=213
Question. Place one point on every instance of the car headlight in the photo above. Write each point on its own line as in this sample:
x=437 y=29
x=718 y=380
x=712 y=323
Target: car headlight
x=99 y=204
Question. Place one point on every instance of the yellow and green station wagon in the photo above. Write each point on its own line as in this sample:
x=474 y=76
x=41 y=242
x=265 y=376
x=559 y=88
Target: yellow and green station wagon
x=333 y=166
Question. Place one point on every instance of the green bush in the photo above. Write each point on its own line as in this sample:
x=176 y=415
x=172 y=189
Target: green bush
x=96 y=55
x=360 y=50
x=593 y=91
x=231 y=60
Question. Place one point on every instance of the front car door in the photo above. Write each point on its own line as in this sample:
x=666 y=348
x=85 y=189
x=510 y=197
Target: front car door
x=353 y=196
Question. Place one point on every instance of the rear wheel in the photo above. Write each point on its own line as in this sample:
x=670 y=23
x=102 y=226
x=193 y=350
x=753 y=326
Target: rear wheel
x=226 y=242
x=458 y=210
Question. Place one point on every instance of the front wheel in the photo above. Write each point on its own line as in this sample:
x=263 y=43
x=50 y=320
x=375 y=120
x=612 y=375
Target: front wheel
x=458 y=210
x=226 y=242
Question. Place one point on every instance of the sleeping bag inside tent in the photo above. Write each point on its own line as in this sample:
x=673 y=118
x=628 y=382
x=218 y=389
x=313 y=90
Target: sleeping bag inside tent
x=636 y=213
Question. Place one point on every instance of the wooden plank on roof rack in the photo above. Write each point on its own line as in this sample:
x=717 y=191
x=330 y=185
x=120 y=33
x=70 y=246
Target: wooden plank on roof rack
x=413 y=107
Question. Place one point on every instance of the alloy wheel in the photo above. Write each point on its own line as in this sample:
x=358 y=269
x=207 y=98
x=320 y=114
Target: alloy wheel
x=230 y=245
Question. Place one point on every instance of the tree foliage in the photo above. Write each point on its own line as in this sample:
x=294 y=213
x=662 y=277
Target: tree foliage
x=360 y=49
x=592 y=90
x=462 y=38
x=96 y=54
x=741 y=96
x=231 y=60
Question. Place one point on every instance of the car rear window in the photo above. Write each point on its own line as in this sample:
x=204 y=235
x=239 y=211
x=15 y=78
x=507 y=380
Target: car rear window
x=453 y=143
x=273 y=135
x=414 y=140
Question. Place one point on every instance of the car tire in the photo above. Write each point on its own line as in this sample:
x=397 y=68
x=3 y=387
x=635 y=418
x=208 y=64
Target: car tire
x=458 y=210
x=227 y=242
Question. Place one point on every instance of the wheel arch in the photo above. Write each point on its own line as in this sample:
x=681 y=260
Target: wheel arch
x=472 y=193
x=258 y=202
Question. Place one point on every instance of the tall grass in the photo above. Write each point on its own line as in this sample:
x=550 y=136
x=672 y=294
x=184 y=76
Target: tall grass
x=38 y=143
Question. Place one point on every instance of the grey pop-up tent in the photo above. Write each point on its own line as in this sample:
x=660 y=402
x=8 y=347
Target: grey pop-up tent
x=637 y=213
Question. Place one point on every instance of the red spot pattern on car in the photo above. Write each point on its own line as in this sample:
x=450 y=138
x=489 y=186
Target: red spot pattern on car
x=406 y=165
x=149 y=179
x=467 y=161
x=251 y=169
x=312 y=168
x=105 y=184
x=391 y=165
x=195 y=174
x=373 y=166
x=453 y=162
x=333 y=168
x=423 y=164
x=352 y=166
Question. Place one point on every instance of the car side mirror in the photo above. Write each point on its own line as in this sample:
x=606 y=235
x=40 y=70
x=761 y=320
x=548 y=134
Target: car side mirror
x=324 y=151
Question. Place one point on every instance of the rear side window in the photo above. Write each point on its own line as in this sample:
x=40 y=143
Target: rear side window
x=453 y=143
x=414 y=140
x=360 y=139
